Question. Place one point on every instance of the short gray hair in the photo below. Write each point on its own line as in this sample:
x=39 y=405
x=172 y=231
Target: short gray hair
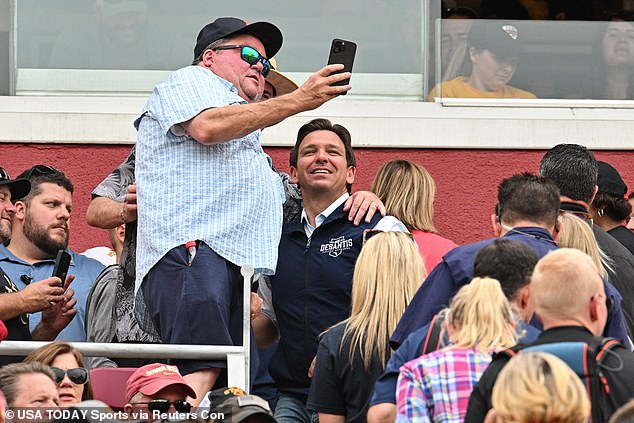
x=211 y=46
x=10 y=377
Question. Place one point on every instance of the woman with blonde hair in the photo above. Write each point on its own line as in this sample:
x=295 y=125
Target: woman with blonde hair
x=408 y=190
x=353 y=353
x=71 y=376
x=537 y=387
x=577 y=234
x=479 y=321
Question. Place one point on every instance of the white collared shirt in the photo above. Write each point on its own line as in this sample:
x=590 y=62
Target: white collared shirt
x=321 y=217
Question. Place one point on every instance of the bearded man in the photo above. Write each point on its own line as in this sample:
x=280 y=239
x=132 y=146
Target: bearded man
x=40 y=228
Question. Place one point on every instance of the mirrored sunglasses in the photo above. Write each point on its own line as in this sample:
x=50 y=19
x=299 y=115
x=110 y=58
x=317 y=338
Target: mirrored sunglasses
x=251 y=56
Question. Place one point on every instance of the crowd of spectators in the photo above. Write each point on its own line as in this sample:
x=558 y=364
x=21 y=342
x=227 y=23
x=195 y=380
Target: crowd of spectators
x=374 y=316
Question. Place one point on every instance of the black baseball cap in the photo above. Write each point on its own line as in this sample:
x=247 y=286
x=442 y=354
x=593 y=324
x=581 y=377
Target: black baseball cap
x=501 y=39
x=609 y=180
x=269 y=34
x=18 y=187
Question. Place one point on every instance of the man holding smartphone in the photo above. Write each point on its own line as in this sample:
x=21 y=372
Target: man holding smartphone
x=45 y=295
x=40 y=228
x=202 y=175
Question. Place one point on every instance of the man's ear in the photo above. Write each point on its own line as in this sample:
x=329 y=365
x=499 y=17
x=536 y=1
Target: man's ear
x=496 y=225
x=120 y=233
x=593 y=308
x=293 y=175
x=352 y=171
x=524 y=303
x=20 y=210
x=208 y=58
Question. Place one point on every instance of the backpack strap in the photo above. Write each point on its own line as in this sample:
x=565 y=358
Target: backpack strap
x=432 y=341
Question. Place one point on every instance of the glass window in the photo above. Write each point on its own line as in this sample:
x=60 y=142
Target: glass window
x=157 y=36
x=534 y=59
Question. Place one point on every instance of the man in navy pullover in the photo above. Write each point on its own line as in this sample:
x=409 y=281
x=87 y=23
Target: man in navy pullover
x=317 y=253
x=527 y=211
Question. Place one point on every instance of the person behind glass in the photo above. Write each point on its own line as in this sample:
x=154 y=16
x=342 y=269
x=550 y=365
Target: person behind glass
x=120 y=37
x=491 y=58
x=67 y=364
x=537 y=387
x=611 y=72
x=479 y=322
x=157 y=388
x=27 y=385
x=610 y=209
x=454 y=30
x=353 y=353
x=408 y=190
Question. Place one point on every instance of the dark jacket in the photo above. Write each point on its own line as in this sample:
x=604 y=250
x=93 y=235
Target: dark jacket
x=622 y=276
x=311 y=292
x=456 y=270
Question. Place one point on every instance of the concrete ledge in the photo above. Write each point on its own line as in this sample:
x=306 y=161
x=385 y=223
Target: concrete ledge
x=599 y=125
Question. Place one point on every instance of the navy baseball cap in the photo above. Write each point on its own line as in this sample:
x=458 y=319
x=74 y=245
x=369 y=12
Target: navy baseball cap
x=18 y=187
x=269 y=34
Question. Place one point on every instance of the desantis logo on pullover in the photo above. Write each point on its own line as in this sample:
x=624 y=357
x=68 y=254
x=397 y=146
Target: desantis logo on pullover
x=336 y=246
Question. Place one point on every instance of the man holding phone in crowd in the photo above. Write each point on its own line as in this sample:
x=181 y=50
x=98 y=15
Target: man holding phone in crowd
x=40 y=228
x=200 y=160
x=45 y=295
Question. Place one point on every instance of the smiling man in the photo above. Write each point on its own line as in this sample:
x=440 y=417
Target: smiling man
x=202 y=176
x=313 y=281
x=40 y=227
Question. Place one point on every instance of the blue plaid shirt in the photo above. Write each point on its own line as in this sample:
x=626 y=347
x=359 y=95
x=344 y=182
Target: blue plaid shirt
x=226 y=194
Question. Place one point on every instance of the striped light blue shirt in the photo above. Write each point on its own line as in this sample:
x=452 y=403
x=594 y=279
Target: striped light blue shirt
x=224 y=194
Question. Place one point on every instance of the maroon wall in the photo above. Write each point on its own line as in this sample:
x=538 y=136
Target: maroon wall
x=466 y=179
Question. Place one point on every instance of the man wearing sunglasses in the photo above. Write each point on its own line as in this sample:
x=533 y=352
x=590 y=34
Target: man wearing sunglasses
x=156 y=389
x=46 y=295
x=202 y=176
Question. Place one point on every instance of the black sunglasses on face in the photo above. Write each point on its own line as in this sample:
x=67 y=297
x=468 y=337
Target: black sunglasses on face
x=163 y=405
x=39 y=170
x=78 y=375
x=251 y=56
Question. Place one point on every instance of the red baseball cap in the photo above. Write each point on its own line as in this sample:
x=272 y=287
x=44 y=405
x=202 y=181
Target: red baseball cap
x=151 y=378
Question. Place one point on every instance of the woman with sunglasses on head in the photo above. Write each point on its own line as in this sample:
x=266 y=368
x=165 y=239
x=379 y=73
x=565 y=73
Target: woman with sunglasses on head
x=73 y=383
x=353 y=353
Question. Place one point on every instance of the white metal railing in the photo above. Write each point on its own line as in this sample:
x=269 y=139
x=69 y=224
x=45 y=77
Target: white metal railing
x=237 y=356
